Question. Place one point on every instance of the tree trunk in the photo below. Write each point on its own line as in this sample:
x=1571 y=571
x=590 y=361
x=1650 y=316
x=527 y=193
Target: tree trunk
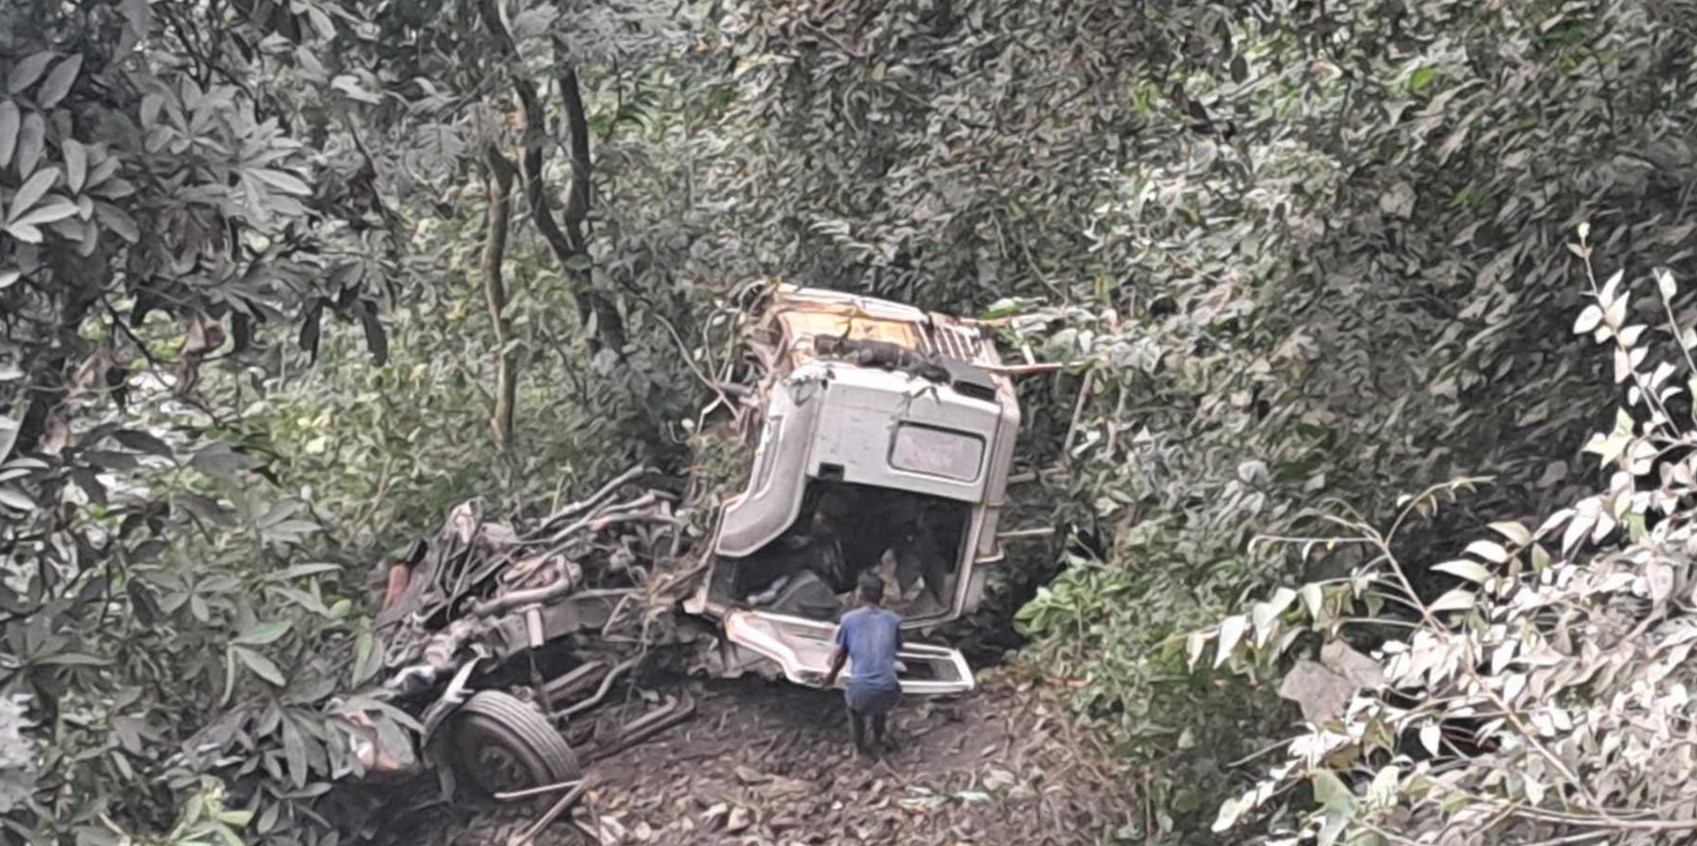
x=500 y=190
x=570 y=245
x=609 y=325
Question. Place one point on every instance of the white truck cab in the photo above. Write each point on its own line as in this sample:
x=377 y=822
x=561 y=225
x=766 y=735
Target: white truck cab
x=885 y=440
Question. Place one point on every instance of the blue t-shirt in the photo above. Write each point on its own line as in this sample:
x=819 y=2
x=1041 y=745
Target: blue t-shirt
x=871 y=635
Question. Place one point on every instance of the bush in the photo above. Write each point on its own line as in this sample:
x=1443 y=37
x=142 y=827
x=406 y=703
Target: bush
x=1544 y=694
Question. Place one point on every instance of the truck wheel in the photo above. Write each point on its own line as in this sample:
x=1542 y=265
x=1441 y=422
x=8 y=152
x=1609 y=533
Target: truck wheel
x=503 y=744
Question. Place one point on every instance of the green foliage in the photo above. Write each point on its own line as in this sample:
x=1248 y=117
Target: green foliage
x=1307 y=253
x=1537 y=698
x=208 y=655
x=1295 y=255
x=156 y=617
x=245 y=350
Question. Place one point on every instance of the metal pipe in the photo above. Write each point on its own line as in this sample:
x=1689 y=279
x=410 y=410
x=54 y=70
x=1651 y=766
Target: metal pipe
x=601 y=513
x=680 y=709
x=600 y=693
x=1022 y=534
x=567 y=684
x=593 y=500
x=516 y=598
x=533 y=625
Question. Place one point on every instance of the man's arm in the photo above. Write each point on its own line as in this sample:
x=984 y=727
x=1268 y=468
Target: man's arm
x=838 y=659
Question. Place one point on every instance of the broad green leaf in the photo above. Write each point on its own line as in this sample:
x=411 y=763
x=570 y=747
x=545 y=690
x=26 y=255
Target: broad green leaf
x=1421 y=79
x=27 y=71
x=1455 y=600
x=1430 y=734
x=1615 y=315
x=267 y=818
x=32 y=190
x=1383 y=790
x=1588 y=320
x=301 y=598
x=263 y=633
x=32 y=138
x=8 y=431
x=298 y=571
x=1193 y=646
x=1314 y=598
x=288 y=183
x=76 y=164
x=59 y=82
x=101 y=171
x=1330 y=791
x=1464 y=569
x=261 y=665
x=56 y=208
x=366 y=656
x=117 y=220
x=1540 y=558
x=294 y=751
x=1611 y=288
x=23 y=232
x=10 y=124
x=1231 y=631
x=1488 y=550
x=1514 y=532
x=1230 y=810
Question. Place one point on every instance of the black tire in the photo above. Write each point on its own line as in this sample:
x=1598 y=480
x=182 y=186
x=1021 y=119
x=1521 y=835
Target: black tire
x=503 y=744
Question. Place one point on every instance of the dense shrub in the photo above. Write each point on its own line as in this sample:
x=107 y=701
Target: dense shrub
x=1544 y=697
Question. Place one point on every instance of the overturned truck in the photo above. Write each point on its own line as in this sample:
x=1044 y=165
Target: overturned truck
x=882 y=438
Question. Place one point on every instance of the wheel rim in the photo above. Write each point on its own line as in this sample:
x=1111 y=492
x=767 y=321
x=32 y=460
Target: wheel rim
x=502 y=744
x=497 y=761
x=497 y=769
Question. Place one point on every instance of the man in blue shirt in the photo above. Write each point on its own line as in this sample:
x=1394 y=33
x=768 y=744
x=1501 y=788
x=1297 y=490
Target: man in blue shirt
x=869 y=636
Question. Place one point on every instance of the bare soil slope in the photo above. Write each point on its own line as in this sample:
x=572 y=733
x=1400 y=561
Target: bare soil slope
x=769 y=763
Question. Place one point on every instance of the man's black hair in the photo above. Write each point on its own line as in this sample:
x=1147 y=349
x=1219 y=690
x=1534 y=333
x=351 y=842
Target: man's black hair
x=871 y=588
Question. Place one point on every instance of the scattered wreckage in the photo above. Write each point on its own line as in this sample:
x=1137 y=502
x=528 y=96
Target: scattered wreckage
x=882 y=438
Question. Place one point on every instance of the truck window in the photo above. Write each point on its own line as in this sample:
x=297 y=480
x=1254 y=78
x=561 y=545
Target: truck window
x=937 y=452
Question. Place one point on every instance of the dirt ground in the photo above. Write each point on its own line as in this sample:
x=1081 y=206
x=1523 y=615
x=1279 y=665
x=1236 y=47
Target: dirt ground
x=767 y=763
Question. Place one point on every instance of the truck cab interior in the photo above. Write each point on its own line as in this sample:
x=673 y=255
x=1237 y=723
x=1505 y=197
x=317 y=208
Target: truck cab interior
x=914 y=541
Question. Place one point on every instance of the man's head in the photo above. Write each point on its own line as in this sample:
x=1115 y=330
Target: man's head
x=871 y=588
